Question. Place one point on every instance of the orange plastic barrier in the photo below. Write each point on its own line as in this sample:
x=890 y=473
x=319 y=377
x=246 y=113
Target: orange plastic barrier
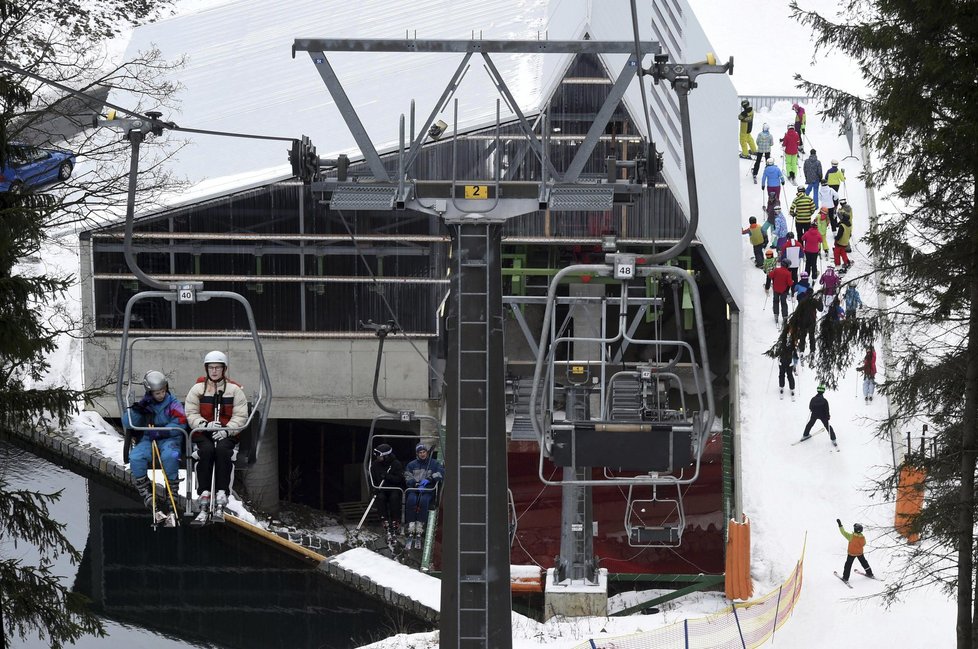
x=526 y=579
x=737 y=581
x=910 y=500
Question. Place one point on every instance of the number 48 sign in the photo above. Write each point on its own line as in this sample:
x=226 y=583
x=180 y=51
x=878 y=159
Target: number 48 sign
x=624 y=266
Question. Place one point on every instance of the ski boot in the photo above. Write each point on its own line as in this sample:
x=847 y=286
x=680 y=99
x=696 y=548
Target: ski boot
x=220 y=503
x=792 y=395
x=781 y=394
x=203 y=505
x=144 y=489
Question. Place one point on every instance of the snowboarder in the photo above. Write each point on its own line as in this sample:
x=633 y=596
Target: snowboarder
x=422 y=476
x=857 y=544
x=217 y=409
x=868 y=369
x=387 y=485
x=791 y=142
x=786 y=369
x=782 y=283
x=746 y=117
x=771 y=181
x=764 y=143
x=813 y=175
x=756 y=240
x=802 y=209
x=852 y=300
x=819 y=408
x=160 y=411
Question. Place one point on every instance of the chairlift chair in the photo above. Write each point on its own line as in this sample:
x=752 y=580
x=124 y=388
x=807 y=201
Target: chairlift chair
x=654 y=446
x=655 y=522
x=376 y=438
x=250 y=442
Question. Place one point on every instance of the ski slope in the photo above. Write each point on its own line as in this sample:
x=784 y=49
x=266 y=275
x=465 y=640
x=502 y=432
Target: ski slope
x=794 y=491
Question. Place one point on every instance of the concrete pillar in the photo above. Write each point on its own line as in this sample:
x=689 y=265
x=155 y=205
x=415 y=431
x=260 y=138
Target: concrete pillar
x=261 y=479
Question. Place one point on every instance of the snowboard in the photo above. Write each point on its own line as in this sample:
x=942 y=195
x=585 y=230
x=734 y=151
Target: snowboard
x=834 y=572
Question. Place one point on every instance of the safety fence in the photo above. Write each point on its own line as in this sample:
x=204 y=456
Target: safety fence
x=743 y=625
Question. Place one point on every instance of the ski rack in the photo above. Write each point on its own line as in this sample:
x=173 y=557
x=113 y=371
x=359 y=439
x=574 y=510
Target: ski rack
x=655 y=448
x=662 y=535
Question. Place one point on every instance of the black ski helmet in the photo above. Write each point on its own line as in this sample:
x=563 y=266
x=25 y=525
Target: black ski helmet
x=744 y=103
x=383 y=451
x=786 y=263
x=857 y=528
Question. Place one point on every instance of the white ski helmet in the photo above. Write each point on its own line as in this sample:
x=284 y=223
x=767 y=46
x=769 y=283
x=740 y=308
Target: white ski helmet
x=216 y=357
x=154 y=380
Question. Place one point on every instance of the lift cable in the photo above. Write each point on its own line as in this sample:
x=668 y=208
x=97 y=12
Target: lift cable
x=383 y=298
x=155 y=122
x=641 y=71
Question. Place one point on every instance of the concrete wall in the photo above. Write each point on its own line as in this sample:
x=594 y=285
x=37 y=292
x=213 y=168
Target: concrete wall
x=311 y=379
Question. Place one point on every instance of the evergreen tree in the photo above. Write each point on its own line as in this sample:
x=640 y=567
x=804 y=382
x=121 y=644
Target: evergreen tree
x=917 y=60
x=57 y=40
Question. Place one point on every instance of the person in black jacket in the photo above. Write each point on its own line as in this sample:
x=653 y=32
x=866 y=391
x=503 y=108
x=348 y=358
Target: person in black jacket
x=820 y=412
x=387 y=484
x=786 y=369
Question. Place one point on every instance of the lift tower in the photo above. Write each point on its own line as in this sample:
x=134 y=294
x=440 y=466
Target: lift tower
x=475 y=602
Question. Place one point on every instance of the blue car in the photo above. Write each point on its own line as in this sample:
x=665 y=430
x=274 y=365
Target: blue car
x=30 y=166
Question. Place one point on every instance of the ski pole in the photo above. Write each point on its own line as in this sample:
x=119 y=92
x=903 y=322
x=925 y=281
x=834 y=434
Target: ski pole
x=369 y=506
x=166 y=479
x=153 y=480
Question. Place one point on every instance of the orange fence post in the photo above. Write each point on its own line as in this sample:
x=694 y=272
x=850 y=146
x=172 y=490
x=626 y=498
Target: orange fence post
x=737 y=581
x=910 y=500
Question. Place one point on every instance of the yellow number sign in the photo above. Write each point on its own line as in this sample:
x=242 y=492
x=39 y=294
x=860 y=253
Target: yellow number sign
x=477 y=192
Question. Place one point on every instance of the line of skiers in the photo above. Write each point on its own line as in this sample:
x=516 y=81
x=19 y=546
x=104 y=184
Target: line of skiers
x=214 y=412
x=418 y=481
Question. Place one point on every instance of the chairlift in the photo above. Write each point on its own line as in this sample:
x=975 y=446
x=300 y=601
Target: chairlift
x=655 y=522
x=250 y=436
x=654 y=441
x=375 y=438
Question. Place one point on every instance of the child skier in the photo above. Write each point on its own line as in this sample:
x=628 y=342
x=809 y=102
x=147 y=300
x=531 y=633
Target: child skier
x=770 y=263
x=868 y=369
x=853 y=301
x=756 y=240
x=857 y=544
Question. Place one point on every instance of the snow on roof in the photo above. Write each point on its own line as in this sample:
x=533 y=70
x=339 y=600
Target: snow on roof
x=240 y=76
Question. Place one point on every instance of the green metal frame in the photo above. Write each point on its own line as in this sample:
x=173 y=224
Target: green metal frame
x=700 y=582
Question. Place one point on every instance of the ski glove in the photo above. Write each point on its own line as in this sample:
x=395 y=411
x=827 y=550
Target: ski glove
x=436 y=476
x=219 y=435
x=214 y=424
x=839 y=522
x=425 y=483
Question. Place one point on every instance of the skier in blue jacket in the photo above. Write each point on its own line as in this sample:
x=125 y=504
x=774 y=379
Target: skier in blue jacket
x=422 y=476
x=771 y=181
x=164 y=415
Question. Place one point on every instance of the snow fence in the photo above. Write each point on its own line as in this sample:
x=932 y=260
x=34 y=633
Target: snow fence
x=743 y=625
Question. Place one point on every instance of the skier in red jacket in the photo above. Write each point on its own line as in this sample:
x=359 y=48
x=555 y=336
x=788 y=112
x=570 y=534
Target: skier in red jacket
x=790 y=142
x=782 y=283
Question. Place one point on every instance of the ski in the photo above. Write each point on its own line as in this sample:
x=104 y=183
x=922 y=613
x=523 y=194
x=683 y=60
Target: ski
x=877 y=578
x=805 y=439
x=841 y=579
